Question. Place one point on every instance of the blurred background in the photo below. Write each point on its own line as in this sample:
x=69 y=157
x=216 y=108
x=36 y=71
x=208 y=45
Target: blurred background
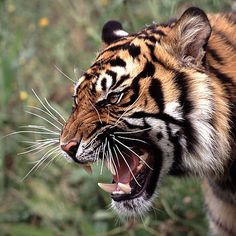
x=39 y=41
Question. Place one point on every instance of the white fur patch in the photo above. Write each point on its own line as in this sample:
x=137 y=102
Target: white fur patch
x=121 y=33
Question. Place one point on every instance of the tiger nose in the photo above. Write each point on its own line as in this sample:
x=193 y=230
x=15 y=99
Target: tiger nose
x=70 y=148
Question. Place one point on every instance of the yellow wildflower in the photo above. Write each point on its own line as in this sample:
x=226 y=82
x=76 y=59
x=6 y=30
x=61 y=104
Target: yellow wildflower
x=43 y=22
x=11 y=8
x=23 y=95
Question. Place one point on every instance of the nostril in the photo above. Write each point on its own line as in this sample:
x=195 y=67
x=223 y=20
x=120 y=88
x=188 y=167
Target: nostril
x=71 y=148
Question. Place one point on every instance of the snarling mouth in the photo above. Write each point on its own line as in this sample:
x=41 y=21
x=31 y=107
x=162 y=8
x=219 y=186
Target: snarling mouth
x=130 y=172
x=134 y=172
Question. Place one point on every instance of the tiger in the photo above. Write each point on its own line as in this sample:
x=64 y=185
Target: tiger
x=159 y=102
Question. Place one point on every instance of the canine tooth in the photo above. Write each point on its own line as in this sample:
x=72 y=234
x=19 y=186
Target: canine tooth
x=107 y=187
x=125 y=187
x=87 y=168
x=110 y=167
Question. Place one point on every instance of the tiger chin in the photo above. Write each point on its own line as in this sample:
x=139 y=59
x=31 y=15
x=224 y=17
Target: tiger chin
x=161 y=101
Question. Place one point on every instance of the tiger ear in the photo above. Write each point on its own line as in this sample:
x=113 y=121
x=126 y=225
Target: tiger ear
x=190 y=35
x=112 y=31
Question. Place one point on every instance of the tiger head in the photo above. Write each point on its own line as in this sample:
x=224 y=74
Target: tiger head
x=132 y=108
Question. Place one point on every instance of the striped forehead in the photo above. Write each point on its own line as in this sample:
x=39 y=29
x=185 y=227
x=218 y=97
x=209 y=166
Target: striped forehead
x=117 y=60
x=103 y=81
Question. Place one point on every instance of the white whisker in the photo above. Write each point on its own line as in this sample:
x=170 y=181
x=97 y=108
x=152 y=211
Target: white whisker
x=132 y=132
x=29 y=131
x=40 y=162
x=43 y=111
x=117 y=157
x=41 y=102
x=39 y=148
x=133 y=139
x=127 y=164
x=38 y=141
x=56 y=111
x=58 y=153
x=112 y=160
x=103 y=155
x=133 y=152
x=64 y=74
x=37 y=115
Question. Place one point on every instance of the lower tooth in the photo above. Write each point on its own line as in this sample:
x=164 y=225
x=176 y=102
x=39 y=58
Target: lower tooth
x=107 y=187
x=125 y=187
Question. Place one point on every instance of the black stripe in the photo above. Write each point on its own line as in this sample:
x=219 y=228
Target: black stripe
x=229 y=87
x=224 y=78
x=134 y=50
x=161 y=116
x=159 y=32
x=157 y=167
x=181 y=82
x=152 y=39
x=151 y=48
x=215 y=55
x=104 y=84
x=226 y=40
x=148 y=71
x=156 y=93
x=113 y=76
x=177 y=168
x=120 y=81
x=117 y=62
x=123 y=46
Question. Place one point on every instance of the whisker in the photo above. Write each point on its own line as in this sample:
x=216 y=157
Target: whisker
x=132 y=132
x=64 y=74
x=41 y=102
x=40 y=162
x=127 y=164
x=112 y=160
x=43 y=111
x=40 y=128
x=36 y=144
x=58 y=153
x=29 y=131
x=133 y=152
x=133 y=139
x=39 y=148
x=97 y=153
x=56 y=111
x=117 y=157
x=103 y=156
x=37 y=115
x=38 y=141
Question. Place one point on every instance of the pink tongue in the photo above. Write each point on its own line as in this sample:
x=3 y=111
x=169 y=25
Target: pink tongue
x=124 y=172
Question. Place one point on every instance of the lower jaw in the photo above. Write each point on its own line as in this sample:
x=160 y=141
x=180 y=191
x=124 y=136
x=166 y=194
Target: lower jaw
x=134 y=207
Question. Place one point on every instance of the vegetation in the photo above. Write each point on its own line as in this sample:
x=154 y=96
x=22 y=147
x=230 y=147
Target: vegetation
x=59 y=198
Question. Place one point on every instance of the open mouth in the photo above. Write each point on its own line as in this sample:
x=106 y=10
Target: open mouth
x=134 y=173
x=131 y=173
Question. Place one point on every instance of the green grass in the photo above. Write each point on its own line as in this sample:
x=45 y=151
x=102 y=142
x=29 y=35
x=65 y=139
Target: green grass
x=61 y=199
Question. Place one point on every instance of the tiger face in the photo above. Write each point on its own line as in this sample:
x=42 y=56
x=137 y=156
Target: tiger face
x=132 y=109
